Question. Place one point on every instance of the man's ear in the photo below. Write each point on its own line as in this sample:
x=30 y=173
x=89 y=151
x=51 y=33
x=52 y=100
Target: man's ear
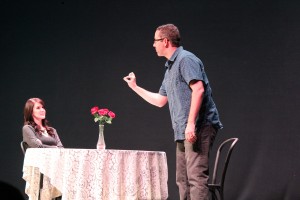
x=166 y=42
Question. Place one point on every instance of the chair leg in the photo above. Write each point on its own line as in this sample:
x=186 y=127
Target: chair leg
x=221 y=195
x=213 y=195
x=220 y=191
x=41 y=186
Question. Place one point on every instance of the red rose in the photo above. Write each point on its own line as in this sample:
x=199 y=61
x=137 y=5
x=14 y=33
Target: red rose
x=111 y=114
x=94 y=110
x=103 y=111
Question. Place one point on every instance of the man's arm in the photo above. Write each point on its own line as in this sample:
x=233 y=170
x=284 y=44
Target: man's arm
x=152 y=98
x=196 y=101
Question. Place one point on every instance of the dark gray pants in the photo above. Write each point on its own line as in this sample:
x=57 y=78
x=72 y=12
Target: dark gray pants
x=192 y=165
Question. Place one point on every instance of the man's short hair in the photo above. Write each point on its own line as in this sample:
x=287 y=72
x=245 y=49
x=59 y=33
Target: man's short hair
x=171 y=32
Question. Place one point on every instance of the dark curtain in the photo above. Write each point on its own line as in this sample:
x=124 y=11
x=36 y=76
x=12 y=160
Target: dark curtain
x=74 y=54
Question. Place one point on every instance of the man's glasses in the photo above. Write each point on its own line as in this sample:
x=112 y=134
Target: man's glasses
x=161 y=39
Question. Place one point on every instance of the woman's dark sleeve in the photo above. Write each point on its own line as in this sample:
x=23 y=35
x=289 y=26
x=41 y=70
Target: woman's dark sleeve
x=30 y=138
x=58 y=142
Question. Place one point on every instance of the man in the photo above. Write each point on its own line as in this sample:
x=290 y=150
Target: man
x=194 y=115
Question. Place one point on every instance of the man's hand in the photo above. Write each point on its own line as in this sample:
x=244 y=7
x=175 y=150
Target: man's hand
x=190 y=134
x=131 y=80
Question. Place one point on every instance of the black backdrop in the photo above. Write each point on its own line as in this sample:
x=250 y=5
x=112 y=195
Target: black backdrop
x=74 y=54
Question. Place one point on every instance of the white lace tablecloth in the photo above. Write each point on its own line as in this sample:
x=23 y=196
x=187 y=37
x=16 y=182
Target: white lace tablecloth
x=90 y=174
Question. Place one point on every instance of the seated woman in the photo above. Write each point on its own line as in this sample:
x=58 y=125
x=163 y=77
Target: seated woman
x=36 y=131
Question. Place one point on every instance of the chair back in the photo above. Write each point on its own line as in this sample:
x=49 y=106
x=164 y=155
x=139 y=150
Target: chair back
x=24 y=146
x=222 y=168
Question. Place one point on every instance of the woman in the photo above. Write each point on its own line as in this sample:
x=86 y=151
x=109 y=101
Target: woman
x=36 y=131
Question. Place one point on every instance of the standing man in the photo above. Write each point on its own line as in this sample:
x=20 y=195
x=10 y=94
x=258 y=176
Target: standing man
x=194 y=115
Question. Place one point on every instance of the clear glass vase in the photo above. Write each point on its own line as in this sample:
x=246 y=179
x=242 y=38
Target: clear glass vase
x=101 y=141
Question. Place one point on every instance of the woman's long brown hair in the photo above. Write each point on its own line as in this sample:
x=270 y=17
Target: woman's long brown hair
x=28 y=119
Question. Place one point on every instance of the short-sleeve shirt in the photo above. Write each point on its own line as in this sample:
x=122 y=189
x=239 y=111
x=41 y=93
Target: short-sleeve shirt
x=181 y=69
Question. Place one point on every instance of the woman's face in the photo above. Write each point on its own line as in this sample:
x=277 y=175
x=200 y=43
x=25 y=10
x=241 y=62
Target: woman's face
x=38 y=112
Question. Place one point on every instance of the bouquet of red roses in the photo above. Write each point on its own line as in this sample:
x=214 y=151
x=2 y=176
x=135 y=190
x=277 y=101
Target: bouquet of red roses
x=102 y=115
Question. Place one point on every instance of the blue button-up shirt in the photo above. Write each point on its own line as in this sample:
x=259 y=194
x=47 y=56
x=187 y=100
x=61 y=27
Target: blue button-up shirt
x=182 y=68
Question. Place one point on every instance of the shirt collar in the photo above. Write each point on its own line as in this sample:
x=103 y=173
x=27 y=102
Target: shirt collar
x=169 y=62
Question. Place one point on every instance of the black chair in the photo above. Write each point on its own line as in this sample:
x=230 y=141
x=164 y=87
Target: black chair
x=216 y=185
x=24 y=146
